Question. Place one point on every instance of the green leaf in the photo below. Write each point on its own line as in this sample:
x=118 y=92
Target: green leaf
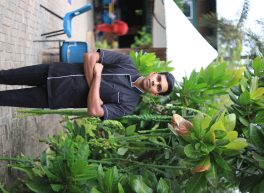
x=211 y=176
x=222 y=163
x=120 y=188
x=230 y=122
x=254 y=84
x=49 y=174
x=258 y=65
x=236 y=90
x=196 y=184
x=191 y=152
x=237 y=144
x=163 y=187
x=257 y=94
x=82 y=171
x=259 y=159
x=149 y=178
x=56 y=187
x=100 y=176
x=94 y=190
x=218 y=125
x=24 y=169
x=122 y=150
x=3 y=190
x=139 y=186
x=261 y=186
x=205 y=123
x=234 y=98
x=39 y=186
x=108 y=180
x=219 y=134
x=256 y=135
x=130 y=130
x=231 y=135
x=243 y=121
x=244 y=98
x=210 y=137
x=259 y=119
x=222 y=142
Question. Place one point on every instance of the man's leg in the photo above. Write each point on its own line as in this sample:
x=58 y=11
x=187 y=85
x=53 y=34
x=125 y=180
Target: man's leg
x=30 y=75
x=35 y=97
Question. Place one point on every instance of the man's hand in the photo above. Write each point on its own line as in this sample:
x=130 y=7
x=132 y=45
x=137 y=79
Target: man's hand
x=93 y=101
x=97 y=71
x=90 y=60
x=98 y=68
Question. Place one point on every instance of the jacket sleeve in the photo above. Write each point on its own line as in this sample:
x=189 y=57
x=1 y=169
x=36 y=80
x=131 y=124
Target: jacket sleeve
x=114 y=59
x=114 y=111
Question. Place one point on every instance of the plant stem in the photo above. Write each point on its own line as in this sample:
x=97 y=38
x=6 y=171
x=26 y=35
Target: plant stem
x=187 y=108
x=154 y=130
x=32 y=112
x=105 y=161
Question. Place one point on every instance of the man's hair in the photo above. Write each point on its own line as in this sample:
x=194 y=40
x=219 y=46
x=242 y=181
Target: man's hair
x=171 y=82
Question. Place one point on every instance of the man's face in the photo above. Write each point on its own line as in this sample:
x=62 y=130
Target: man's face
x=155 y=83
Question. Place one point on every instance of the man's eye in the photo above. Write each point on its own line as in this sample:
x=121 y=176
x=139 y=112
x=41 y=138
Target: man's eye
x=158 y=78
x=159 y=88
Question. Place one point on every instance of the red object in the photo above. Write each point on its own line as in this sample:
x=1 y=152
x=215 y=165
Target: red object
x=118 y=27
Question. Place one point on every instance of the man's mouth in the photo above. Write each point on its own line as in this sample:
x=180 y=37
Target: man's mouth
x=148 y=83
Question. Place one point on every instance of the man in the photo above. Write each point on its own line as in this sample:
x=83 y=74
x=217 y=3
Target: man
x=108 y=84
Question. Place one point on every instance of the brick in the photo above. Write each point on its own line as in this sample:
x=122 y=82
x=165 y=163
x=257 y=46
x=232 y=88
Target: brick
x=2 y=37
x=6 y=21
x=3 y=3
x=7 y=56
x=1 y=46
x=24 y=22
x=9 y=48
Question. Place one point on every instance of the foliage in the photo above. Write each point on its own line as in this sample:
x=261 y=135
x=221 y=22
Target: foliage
x=209 y=147
x=69 y=165
x=148 y=62
x=138 y=153
x=201 y=90
x=232 y=36
x=228 y=33
x=2 y=189
x=179 y=3
x=201 y=87
x=143 y=40
x=103 y=44
x=248 y=96
x=248 y=105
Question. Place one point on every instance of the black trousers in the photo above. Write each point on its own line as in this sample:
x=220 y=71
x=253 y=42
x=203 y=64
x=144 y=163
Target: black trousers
x=34 y=97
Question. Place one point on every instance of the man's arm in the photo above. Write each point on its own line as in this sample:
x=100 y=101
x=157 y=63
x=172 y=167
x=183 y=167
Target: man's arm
x=89 y=62
x=93 y=100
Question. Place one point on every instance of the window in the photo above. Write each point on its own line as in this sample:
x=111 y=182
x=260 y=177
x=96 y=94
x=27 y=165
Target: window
x=188 y=9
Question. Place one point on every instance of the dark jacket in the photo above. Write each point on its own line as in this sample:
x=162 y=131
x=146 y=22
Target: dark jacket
x=67 y=86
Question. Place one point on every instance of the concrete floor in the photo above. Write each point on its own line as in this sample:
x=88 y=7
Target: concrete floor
x=21 y=22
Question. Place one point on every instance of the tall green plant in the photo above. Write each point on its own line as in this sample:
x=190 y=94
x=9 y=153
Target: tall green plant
x=209 y=146
x=69 y=165
x=248 y=105
x=148 y=62
x=143 y=40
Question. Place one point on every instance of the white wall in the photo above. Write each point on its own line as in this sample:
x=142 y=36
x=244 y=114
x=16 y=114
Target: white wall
x=158 y=33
